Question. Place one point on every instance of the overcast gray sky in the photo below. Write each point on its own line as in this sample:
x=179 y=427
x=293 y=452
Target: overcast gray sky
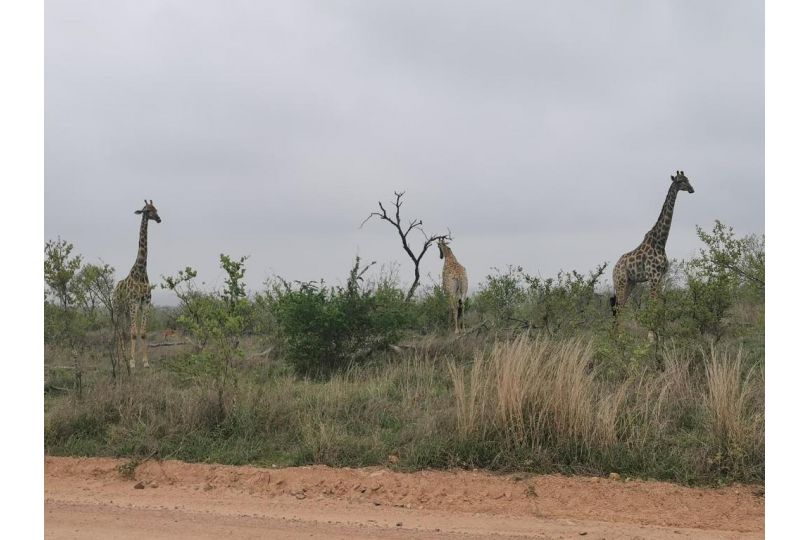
x=542 y=133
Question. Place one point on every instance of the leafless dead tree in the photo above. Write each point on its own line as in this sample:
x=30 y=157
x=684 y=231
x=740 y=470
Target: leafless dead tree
x=404 y=231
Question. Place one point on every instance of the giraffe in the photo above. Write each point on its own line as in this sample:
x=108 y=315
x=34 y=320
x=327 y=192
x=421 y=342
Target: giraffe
x=648 y=262
x=133 y=294
x=453 y=279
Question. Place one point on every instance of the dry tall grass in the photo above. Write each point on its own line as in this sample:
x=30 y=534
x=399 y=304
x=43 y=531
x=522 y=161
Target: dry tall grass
x=540 y=395
x=533 y=391
x=733 y=404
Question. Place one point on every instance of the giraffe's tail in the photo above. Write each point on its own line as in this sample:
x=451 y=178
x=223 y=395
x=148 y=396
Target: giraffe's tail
x=613 y=305
x=460 y=308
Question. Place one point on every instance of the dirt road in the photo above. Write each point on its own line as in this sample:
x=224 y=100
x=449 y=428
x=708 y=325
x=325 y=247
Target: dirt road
x=89 y=498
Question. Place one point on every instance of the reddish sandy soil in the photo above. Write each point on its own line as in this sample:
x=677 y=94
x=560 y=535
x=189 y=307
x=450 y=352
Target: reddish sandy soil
x=88 y=498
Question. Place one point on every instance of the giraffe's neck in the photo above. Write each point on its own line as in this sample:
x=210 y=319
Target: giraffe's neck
x=449 y=257
x=659 y=234
x=139 y=267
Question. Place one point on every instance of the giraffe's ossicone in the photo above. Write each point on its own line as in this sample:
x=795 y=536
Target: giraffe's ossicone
x=133 y=294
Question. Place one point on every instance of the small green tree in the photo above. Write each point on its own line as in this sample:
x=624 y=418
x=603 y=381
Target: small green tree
x=63 y=321
x=73 y=292
x=740 y=260
x=93 y=288
x=726 y=269
x=60 y=271
x=216 y=322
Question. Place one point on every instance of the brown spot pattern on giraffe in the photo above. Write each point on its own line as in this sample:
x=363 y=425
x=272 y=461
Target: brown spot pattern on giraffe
x=648 y=262
x=133 y=294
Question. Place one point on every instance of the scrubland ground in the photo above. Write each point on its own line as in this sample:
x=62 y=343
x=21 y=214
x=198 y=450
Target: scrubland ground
x=91 y=498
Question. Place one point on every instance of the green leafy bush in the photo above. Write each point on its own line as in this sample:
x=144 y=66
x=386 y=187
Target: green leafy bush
x=727 y=269
x=328 y=328
x=557 y=306
x=430 y=311
x=500 y=295
x=567 y=304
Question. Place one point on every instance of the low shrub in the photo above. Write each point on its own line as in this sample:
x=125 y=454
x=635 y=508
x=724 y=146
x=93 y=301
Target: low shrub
x=326 y=329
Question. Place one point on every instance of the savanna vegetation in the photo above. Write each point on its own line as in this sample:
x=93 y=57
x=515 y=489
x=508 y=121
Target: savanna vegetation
x=359 y=374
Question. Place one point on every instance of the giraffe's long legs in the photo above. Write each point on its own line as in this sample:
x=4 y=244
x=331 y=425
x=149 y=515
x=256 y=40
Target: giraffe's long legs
x=144 y=314
x=133 y=332
x=620 y=296
x=628 y=288
x=453 y=314
x=623 y=288
x=655 y=286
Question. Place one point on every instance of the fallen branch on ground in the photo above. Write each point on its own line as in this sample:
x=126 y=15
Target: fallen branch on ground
x=401 y=349
x=523 y=323
x=170 y=343
x=265 y=352
x=473 y=330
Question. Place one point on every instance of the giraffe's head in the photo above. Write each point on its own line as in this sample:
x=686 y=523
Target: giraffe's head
x=443 y=246
x=149 y=211
x=682 y=182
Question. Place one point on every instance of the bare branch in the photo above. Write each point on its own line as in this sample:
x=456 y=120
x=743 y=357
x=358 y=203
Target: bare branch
x=415 y=224
x=428 y=241
x=364 y=221
x=591 y=283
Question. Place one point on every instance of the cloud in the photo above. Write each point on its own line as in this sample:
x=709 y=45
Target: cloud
x=543 y=134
